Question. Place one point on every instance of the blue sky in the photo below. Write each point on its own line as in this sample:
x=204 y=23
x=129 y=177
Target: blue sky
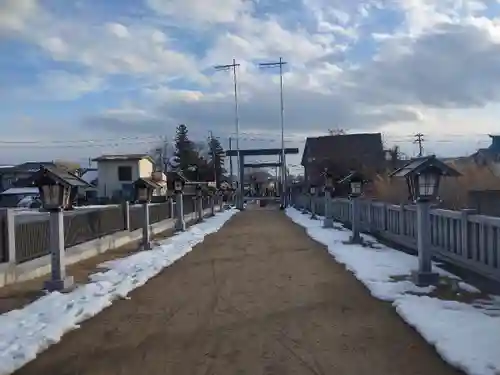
x=95 y=71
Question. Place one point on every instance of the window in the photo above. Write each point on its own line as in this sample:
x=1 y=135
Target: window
x=124 y=173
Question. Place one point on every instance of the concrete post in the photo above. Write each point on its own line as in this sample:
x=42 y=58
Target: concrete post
x=355 y=224
x=180 y=224
x=313 y=207
x=307 y=199
x=328 y=222
x=146 y=234
x=464 y=230
x=424 y=275
x=10 y=235
x=172 y=207
x=199 y=209
x=212 y=205
x=58 y=281
x=126 y=215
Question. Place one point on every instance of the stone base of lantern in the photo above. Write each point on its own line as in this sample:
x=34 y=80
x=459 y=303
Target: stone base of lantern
x=59 y=285
x=424 y=278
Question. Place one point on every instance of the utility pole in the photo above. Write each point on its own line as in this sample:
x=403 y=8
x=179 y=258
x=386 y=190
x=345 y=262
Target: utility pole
x=230 y=163
x=419 y=139
x=280 y=64
x=233 y=67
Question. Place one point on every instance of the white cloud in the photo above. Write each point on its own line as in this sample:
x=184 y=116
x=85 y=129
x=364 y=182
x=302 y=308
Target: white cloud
x=201 y=11
x=441 y=63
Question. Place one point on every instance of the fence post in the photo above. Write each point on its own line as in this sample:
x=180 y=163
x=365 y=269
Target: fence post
x=126 y=215
x=10 y=235
x=384 y=217
x=402 y=219
x=146 y=234
x=464 y=229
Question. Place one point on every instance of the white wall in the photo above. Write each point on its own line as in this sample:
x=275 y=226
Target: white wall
x=107 y=174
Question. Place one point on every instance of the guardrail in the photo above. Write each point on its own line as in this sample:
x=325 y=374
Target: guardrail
x=462 y=238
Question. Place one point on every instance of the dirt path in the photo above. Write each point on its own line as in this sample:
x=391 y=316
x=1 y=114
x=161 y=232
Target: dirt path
x=258 y=297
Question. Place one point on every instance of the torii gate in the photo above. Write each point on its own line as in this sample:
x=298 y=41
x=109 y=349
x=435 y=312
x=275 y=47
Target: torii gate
x=261 y=152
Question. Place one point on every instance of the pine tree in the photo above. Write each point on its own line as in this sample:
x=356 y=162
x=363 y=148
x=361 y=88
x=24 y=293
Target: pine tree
x=185 y=150
x=216 y=158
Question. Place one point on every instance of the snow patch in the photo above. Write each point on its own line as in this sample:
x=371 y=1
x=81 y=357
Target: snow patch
x=466 y=336
x=28 y=331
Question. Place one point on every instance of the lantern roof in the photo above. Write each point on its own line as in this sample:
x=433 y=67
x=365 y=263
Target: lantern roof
x=60 y=176
x=418 y=165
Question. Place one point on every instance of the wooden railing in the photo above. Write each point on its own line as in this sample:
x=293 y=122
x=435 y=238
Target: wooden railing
x=460 y=237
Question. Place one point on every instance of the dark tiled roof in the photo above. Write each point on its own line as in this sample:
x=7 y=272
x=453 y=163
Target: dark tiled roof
x=61 y=175
x=362 y=148
x=123 y=157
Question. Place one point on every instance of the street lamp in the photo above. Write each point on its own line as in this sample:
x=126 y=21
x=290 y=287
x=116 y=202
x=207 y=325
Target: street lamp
x=422 y=176
x=54 y=194
x=355 y=181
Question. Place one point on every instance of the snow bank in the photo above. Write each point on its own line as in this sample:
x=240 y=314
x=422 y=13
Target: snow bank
x=467 y=337
x=28 y=331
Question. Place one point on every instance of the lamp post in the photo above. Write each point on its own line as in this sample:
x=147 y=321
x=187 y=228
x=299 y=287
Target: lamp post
x=55 y=196
x=329 y=190
x=355 y=181
x=313 y=190
x=422 y=177
x=143 y=195
x=180 y=224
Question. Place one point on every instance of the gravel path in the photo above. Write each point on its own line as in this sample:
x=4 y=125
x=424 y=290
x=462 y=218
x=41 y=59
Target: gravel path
x=258 y=297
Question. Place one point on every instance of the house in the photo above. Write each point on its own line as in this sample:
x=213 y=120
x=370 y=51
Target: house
x=89 y=175
x=20 y=175
x=116 y=174
x=340 y=154
x=12 y=196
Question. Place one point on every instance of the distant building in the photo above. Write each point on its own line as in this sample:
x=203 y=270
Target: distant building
x=340 y=154
x=116 y=174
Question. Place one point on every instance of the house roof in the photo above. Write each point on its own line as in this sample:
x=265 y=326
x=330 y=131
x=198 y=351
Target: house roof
x=123 y=157
x=150 y=182
x=90 y=175
x=29 y=166
x=366 y=148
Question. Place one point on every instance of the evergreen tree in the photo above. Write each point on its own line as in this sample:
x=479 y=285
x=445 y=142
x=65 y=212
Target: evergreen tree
x=185 y=150
x=216 y=162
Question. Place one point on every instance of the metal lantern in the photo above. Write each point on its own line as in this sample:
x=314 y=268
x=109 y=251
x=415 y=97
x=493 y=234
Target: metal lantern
x=53 y=194
x=356 y=188
x=329 y=181
x=423 y=176
x=143 y=191
x=312 y=190
x=178 y=185
x=198 y=191
x=355 y=181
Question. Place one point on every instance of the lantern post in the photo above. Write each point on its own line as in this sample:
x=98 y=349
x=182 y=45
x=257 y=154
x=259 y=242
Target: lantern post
x=180 y=224
x=356 y=182
x=329 y=190
x=55 y=197
x=143 y=195
x=422 y=176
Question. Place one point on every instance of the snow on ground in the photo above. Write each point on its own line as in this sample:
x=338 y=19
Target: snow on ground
x=28 y=331
x=466 y=336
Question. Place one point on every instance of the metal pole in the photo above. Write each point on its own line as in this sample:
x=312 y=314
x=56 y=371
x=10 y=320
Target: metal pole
x=283 y=160
x=230 y=163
